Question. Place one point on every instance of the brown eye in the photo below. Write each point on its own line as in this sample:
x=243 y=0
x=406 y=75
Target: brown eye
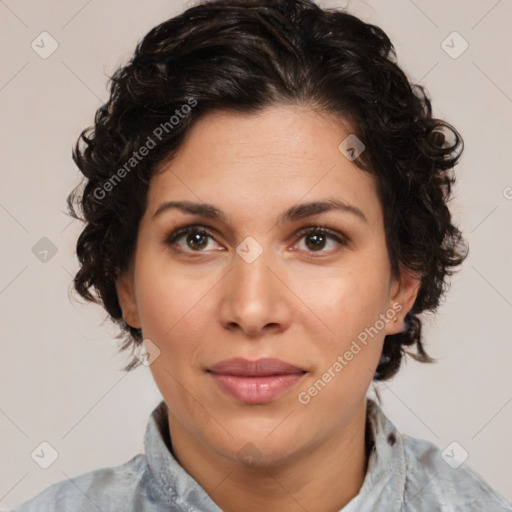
x=196 y=239
x=317 y=238
x=316 y=241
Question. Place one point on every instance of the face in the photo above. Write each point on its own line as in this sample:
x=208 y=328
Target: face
x=312 y=288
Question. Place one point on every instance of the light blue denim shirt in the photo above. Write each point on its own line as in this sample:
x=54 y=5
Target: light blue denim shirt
x=404 y=475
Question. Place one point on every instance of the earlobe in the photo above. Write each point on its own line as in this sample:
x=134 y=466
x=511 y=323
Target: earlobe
x=125 y=288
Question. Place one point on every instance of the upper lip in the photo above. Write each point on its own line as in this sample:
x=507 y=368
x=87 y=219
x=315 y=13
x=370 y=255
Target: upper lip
x=259 y=368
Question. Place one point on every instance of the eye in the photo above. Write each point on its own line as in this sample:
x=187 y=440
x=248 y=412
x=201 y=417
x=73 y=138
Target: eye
x=195 y=238
x=317 y=237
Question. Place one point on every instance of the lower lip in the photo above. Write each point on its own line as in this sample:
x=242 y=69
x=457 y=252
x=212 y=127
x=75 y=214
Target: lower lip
x=256 y=390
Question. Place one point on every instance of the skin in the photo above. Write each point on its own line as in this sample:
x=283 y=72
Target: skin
x=298 y=302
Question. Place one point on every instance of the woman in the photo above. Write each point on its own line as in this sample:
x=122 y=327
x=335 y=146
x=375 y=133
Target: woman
x=266 y=218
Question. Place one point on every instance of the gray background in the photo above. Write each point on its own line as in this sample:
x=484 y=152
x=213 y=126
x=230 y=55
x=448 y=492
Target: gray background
x=61 y=377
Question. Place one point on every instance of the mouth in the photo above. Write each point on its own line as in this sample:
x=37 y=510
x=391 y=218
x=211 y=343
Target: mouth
x=255 y=382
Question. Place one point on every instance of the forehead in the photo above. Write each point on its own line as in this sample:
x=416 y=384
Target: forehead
x=277 y=157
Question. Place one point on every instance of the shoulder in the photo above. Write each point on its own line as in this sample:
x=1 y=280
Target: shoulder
x=441 y=478
x=112 y=489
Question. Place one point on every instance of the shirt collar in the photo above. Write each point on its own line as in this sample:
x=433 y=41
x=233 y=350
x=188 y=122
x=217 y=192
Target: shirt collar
x=384 y=482
x=177 y=483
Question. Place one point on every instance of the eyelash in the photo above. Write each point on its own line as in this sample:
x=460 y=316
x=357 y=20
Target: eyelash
x=173 y=237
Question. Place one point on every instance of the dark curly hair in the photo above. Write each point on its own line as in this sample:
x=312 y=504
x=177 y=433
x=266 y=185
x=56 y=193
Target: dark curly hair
x=243 y=56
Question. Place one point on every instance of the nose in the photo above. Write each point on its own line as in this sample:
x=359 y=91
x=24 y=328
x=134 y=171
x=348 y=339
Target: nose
x=256 y=299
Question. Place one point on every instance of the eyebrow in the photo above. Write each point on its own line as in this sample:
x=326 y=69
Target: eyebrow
x=297 y=212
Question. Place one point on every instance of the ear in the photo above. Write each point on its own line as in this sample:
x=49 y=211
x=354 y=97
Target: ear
x=125 y=286
x=403 y=295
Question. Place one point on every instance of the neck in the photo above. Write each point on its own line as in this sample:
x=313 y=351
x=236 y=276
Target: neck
x=319 y=478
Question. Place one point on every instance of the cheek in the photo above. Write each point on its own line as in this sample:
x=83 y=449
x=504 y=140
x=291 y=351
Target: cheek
x=346 y=357
x=174 y=315
x=349 y=305
x=346 y=301
x=170 y=298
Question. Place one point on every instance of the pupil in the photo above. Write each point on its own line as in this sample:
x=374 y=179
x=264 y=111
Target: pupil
x=319 y=240
x=196 y=240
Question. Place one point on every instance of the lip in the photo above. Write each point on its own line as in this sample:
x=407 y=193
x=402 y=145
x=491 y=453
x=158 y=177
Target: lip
x=260 y=368
x=255 y=382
